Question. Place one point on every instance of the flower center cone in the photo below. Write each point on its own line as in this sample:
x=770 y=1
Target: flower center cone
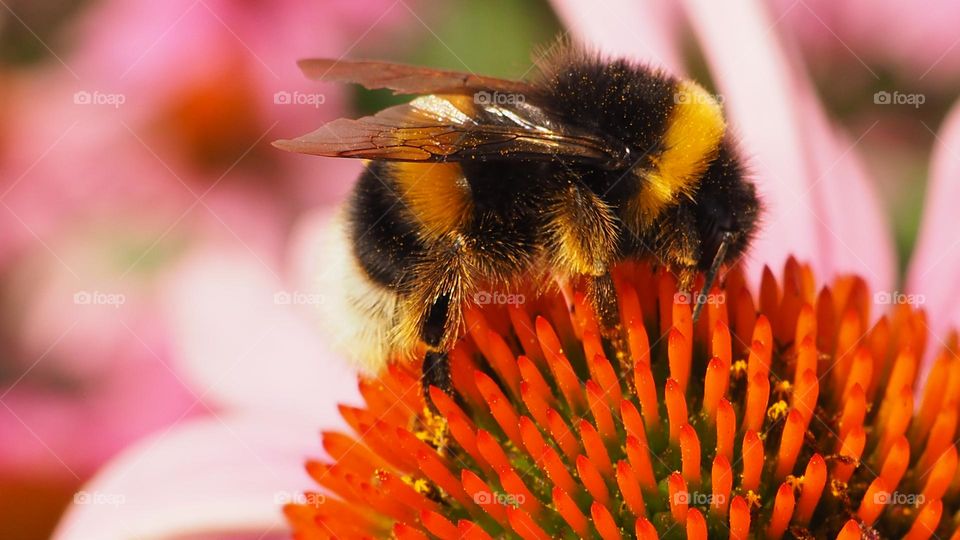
x=794 y=414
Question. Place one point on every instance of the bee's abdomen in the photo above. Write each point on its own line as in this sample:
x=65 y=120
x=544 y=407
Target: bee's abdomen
x=384 y=238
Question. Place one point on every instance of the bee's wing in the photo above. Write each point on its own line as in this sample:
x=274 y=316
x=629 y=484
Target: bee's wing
x=406 y=79
x=438 y=128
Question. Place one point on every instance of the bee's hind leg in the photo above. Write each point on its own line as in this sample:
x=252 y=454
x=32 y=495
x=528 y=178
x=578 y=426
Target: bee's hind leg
x=436 y=363
x=435 y=371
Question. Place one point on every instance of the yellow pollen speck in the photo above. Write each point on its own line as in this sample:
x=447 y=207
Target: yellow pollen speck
x=433 y=430
x=421 y=486
x=738 y=368
x=837 y=488
x=778 y=410
x=795 y=482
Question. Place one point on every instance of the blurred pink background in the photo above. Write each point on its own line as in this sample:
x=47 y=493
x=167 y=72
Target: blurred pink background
x=147 y=226
x=135 y=142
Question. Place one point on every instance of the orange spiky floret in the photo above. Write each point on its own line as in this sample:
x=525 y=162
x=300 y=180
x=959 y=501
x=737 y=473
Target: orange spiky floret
x=789 y=417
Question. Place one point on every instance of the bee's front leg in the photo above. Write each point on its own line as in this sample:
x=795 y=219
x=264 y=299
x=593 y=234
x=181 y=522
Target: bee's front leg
x=603 y=298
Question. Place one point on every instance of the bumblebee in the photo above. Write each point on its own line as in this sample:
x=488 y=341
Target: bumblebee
x=482 y=184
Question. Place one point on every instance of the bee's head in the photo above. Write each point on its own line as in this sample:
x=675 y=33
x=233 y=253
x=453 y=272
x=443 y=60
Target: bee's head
x=726 y=210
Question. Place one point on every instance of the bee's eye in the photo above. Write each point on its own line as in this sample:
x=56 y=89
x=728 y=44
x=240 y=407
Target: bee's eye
x=714 y=223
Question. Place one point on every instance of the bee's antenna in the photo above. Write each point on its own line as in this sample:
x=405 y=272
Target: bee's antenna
x=712 y=274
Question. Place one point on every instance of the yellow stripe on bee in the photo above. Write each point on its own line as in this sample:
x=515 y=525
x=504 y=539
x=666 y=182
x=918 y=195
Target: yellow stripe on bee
x=436 y=194
x=693 y=136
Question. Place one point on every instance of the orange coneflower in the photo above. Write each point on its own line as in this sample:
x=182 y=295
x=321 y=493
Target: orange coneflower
x=793 y=414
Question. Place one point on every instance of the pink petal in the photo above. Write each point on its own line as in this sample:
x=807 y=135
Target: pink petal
x=309 y=243
x=51 y=433
x=244 y=344
x=920 y=43
x=847 y=209
x=935 y=266
x=639 y=30
x=225 y=476
x=752 y=75
x=762 y=94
